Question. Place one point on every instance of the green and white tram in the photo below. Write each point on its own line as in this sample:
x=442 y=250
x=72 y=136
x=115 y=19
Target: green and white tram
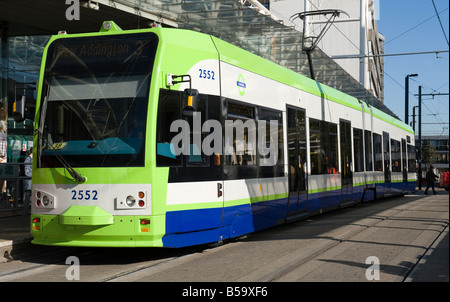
x=133 y=146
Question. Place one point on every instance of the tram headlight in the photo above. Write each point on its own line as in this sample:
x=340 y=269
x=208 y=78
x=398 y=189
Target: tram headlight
x=45 y=200
x=107 y=25
x=130 y=201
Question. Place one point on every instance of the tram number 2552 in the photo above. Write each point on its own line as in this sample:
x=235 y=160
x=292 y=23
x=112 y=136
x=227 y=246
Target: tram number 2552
x=207 y=74
x=84 y=194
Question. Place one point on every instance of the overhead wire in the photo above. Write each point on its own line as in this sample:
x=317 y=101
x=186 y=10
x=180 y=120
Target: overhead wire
x=437 y=14
x=438 y=119
x=440 y=22
x=414 y=27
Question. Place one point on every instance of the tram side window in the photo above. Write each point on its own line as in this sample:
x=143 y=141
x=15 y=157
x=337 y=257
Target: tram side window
x=368 y=147
x=396 y=156
x=240 y=143
x=169 y=110
x=411 y=158
x=268 y=115
x=332 y=150
x=377 y=149
x=324 y=147
x=315 y=148
x=386 y=154
x=404 y=151
x=196 y=156
x=358 y=150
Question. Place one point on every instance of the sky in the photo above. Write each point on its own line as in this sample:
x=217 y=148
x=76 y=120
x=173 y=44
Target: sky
x=413 y=26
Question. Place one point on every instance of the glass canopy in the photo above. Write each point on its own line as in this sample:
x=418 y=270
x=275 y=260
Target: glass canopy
x=241 y=24
x=233 y=21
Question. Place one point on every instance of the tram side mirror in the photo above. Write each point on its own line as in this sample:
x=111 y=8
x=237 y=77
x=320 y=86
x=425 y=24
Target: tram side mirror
x=191 y=102
x=19 y=110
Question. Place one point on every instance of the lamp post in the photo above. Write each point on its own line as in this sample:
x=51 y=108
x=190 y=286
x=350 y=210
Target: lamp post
x=419 y=155
x=407 y=95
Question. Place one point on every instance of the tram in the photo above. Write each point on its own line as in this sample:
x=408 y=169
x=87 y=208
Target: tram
x=169 y=138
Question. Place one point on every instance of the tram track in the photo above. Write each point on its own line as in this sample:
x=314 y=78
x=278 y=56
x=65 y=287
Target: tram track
x=34 y=262
x=301 y=264
x=291 y=266
x=51 y=263
x=136 y=273
x=308 y=257
x=422 y=260
x=279 y=274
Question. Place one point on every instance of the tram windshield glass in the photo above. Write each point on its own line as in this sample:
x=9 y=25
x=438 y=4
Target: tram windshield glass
x=94 y=101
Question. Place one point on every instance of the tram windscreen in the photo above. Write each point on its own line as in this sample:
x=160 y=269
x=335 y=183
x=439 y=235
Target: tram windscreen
x=94 y=100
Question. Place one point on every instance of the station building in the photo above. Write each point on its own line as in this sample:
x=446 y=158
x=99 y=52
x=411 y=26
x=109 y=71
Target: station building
x=435 y=152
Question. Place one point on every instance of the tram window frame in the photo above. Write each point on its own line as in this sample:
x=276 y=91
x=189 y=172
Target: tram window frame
x=165 y=117
x=323 y=141
x=404 y=155
x=268 y=114
x=358 y=150
x=368 y=150
x=192 y=160
x=334 y=146
x=164 y=136
x=243 y=112
x=396 y=164
x=386 y=155
x=378 y=152
x=411 y=153
x=314 y=146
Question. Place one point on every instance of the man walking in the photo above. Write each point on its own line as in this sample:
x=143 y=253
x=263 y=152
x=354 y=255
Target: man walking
x=430 y=180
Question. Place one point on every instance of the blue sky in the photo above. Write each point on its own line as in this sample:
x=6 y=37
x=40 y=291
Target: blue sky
x=412 y=26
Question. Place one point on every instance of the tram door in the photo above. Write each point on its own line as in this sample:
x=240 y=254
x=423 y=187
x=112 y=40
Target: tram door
x=346 y=161
x=298 y=178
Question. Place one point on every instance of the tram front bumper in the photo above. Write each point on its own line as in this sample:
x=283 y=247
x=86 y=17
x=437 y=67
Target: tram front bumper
x=85 y=215
x=97 y=229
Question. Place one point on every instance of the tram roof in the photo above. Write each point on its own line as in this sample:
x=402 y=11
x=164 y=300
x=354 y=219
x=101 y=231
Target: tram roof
x=229 y=20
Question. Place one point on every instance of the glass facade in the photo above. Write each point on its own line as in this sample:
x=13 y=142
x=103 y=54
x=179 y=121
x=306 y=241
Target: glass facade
x=21 y=59
x=19 y=72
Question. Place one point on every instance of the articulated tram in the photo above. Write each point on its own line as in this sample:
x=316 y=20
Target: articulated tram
x=170 y=138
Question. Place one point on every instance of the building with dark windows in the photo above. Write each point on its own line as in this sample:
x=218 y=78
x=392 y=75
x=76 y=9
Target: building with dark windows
x=435 y=151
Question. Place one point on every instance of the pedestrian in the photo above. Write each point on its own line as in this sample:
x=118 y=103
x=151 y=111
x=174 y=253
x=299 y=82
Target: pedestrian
x=430 y=177
x=3 y=159
x=28 y=172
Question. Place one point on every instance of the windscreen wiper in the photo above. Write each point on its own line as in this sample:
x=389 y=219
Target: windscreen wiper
x=76 y=176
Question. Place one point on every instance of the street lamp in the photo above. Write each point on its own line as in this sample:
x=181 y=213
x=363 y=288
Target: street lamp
x=407 y=95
